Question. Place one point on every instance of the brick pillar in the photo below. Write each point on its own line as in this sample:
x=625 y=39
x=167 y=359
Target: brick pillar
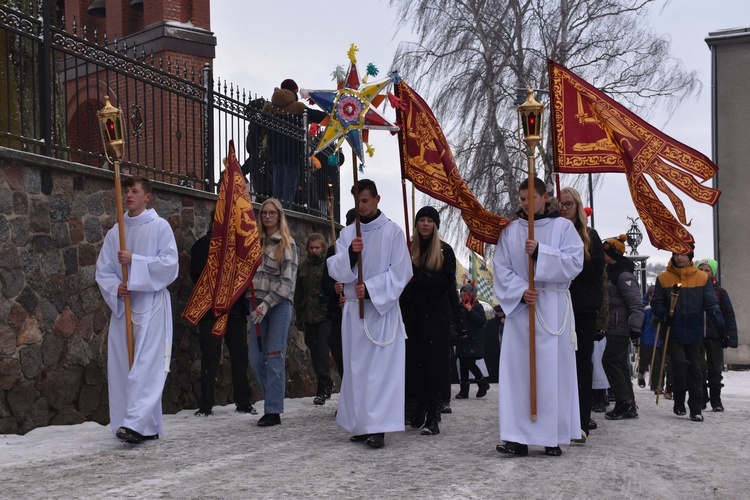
x=122 y=20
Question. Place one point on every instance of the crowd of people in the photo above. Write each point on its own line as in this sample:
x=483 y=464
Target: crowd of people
x=390 y=313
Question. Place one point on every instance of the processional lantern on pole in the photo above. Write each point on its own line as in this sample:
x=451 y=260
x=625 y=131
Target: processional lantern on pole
x=635 y=237
x=113 y=140
x=530 y=114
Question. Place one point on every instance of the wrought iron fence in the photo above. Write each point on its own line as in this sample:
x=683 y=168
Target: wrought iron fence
x=179 y=121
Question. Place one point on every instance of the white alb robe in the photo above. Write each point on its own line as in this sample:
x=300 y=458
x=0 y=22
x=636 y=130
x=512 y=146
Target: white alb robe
x=372 y=391
x=559 y=260
x=135 y=394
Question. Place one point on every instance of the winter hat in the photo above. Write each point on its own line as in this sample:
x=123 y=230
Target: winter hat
x=290 y=84
x=710 y=263
x=498 y=309
x=350 y=216
x=615 y=247
x=469 y=288
x=428 y=211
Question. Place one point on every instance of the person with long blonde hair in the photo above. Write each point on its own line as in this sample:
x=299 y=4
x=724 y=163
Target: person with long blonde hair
x=273 y=285
x=587 y=295
x=425 y=305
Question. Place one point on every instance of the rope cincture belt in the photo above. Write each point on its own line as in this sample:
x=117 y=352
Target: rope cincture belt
x=367 y=331
x=566 y=317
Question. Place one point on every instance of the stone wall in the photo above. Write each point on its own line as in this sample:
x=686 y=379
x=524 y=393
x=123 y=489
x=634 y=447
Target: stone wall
x=53 y=322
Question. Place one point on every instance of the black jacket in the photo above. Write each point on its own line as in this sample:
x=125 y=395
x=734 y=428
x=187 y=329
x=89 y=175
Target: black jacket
x=586 y=289
x=473 y=345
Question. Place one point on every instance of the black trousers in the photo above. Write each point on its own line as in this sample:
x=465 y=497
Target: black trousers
x=236 y=339
x=316 y=338
x=687 y=373
x=616 y=364
x=714 y=364
x=427 y=370
x=585 y=332
x=334 y=343
x=466 y=365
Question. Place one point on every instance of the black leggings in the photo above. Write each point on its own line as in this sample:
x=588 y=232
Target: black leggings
x=467 y=365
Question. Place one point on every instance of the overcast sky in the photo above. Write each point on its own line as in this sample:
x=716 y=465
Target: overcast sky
x=261 y=44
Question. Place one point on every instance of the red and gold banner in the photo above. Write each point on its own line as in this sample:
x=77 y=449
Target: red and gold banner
x=234 y=252
x=428 y=163
x=593 y=133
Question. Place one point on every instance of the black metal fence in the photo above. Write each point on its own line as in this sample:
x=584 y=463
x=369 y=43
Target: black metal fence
x=179 y=122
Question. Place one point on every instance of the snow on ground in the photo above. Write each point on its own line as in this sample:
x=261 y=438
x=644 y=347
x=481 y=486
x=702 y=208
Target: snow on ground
x=658 y=455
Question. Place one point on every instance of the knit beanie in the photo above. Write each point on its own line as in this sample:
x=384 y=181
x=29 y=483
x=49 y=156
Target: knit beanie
x=615 y=247
x=289 y=84
x=710 y=263
x=469 y=288
x=428 y=211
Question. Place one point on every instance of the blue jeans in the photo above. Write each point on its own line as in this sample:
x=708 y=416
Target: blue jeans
x=285 y=182
x=270 y=370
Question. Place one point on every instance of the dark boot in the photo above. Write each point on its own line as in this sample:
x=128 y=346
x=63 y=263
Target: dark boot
x=623 y=409
x=716 y=400
x=484 y=386
x=431 y=424
x=600 y=398
x=464 y=392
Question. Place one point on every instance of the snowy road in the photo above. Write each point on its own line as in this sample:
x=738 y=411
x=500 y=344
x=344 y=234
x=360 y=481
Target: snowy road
x=226 y=455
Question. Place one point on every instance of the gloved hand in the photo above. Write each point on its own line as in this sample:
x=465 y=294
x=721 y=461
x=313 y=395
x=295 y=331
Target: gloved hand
x=723 y=337
x=259 y=313
x=599 y=335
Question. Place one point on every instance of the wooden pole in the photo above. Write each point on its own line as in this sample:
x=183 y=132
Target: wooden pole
x=672 y=305
x=532 y=308
x=653 y=358
x=358 y=230
x=121 y=228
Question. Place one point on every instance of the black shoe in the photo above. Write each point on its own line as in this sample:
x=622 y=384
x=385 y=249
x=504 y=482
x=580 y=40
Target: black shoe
x=319 y=400
x=269 y=419
x=484 y=386
x=717 y=407
x=417 y=421
x=203 y=413
x=129 y=435
x=592 y=424
x=552 y=451
x=622 y=410
x=679 y=408
x=464 y=392
x=431 y=425
x=598 y=407
x=150 y=438
x=358 y=438
x=446 y=407
x=376 y=440
x=327 y=391
x=246 y=409
x=513 y=448
x=696 y=417
x=641 y=383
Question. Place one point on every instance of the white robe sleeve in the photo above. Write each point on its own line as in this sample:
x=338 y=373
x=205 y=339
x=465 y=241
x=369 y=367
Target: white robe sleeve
x=155 y=272
x=508 y=284
x=385 y=288
x=338 y=264
x=109 y=272
x=562 y=262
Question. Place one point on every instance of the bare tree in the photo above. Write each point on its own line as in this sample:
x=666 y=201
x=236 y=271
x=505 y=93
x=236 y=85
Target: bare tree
x=471 y=56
